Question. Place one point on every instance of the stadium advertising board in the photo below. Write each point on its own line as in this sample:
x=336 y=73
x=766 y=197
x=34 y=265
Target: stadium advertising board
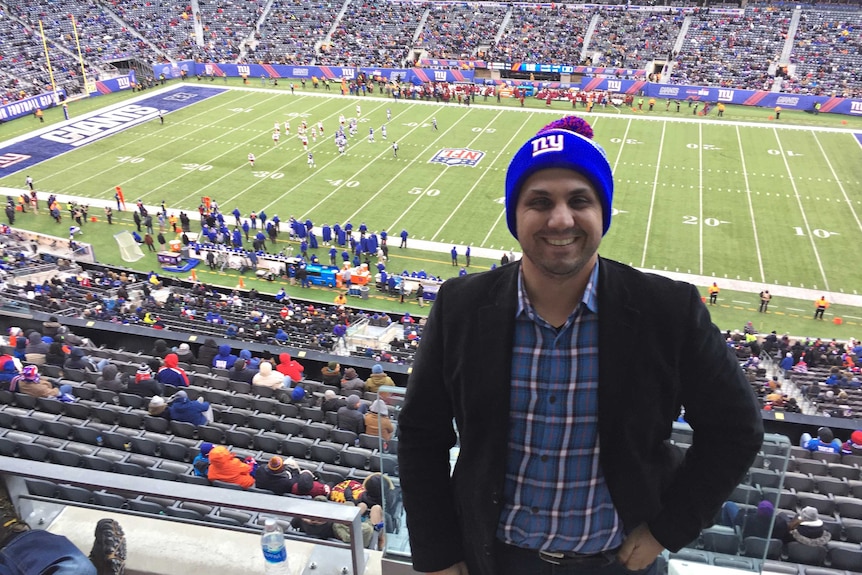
x=30 y=105
x=117 y=84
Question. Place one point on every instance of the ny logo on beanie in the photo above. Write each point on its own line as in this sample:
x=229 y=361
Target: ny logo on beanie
x=549 y=143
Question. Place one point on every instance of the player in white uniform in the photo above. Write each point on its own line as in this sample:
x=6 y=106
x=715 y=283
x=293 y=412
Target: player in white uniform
x=320 y=127
x=370 y=134
x=251 y=159
x=276 y=127
x=395 y=149
x=275 y=137
x=434 y=123
x=341 y=119
x=310 y=160
x=358 y=110
x=383 y=130
x=388 y=115
x=286 y=128
x=313 y=135
x=304 y=139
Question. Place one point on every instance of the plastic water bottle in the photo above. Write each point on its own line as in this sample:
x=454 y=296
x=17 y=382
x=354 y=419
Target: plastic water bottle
x=274 y=552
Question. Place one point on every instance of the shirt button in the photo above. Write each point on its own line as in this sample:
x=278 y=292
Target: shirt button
x=544 y=458
x=534 y=510
x=552 y=399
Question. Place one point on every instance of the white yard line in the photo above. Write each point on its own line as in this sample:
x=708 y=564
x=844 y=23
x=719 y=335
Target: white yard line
x=838 y=181
x=750 y=207
x=652 y=198
x=802 y=211
x=470 y=191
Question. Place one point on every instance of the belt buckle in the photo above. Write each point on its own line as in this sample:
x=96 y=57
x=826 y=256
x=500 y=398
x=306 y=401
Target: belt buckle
x=551 y=557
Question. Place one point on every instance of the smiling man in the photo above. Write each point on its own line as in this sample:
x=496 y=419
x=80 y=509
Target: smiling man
x=565 y=464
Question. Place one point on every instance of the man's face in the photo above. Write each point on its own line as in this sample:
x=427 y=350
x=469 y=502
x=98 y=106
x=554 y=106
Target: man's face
x=559 y=222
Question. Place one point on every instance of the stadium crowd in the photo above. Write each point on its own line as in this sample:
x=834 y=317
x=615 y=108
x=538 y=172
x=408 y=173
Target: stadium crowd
x=728 y=50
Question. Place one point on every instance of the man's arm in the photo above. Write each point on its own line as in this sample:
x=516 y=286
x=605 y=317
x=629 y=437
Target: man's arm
x=426 y=434
x=728 y=430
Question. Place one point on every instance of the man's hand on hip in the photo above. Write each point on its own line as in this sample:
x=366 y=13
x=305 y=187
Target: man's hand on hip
x=639 y=549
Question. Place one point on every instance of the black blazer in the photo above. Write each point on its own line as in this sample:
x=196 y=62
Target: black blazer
x=658 y=350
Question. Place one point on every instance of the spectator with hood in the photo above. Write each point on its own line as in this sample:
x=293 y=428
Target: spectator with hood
x=31 y=383
x=378 y=378
x=181 y=408
x=171 y=373
x=36 y=349
x=224 y=359
x=207 y=352
x=144 y=384
x=51 y=327
x=252 y=363
x=268 y=377
x=201 y=462
x=227 y=466
x=160 y=348
x=78 y=359
x=290 y=367
x=110 y=379
x=853 y=446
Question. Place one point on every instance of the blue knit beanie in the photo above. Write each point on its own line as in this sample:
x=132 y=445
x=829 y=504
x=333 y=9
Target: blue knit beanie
x=565 y=143
x=377 y=368
x=298 y=394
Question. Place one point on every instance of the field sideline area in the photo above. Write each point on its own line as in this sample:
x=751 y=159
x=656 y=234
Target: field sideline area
x=750 y=204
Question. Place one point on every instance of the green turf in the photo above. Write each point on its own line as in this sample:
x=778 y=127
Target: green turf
x=680 y=191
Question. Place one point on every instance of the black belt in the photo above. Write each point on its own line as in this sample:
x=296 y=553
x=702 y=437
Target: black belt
x=595 y=560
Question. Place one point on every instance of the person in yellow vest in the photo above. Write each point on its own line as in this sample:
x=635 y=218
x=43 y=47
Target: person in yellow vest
x=820 y=306
x=340 y=299
x=40 y=115
x=651 y=104
x=777 y=112
x=720 y=110
x=713 y=293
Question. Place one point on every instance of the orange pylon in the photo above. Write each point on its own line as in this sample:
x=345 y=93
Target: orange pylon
x=241 y=282
x=194 y=276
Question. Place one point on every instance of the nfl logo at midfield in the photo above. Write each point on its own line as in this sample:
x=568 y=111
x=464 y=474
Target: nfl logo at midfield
x=457 y=157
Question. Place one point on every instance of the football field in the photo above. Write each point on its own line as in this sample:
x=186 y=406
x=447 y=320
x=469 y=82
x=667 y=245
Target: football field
x=759 y=202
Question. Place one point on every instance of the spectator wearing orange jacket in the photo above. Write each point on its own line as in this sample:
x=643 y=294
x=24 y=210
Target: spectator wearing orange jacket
x=226 y=466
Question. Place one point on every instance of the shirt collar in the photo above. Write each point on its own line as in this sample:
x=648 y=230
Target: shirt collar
x=590 y=298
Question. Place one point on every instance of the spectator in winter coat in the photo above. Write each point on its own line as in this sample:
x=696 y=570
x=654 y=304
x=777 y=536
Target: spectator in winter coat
x=78 y=360
x=377 y=420
x=351 y=382
x=824 y=442
x=853 y=446
x=330 y=374
x=268 y=377
x=31 y=383
x=252 y=363
x=240 y=373
x=290 y=367
x=226 y=466
x=182 y=408
x=349 y=417
x=10 y=368
x=158 y=407
x=808 y=529
x=332 y=402
x=160 y=348
x=171 y=373
x=56 y=354
x=207 y=352
x=110 y=379
x=274 y=476
x=201 y=462
x=36 y=349
x=144 y=384
x=378 y=378
x=225 y=359
x=184 y=353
